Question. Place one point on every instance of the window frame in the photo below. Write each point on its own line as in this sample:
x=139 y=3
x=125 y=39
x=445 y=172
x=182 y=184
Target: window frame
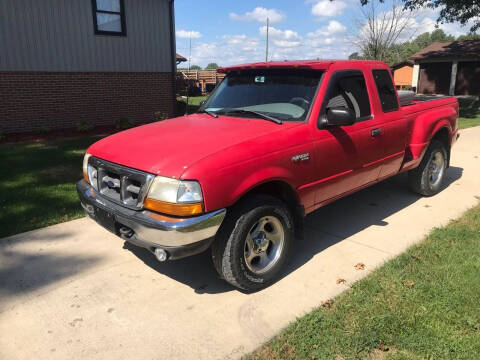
x=389 y=73
x=95 y=11
x=334 y=78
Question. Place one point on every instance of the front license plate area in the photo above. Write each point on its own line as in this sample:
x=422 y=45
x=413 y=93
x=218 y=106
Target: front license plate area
x=105 y=219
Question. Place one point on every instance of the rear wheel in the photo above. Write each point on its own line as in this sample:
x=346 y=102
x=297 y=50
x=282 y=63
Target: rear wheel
x=254 y=242
x=428 y=177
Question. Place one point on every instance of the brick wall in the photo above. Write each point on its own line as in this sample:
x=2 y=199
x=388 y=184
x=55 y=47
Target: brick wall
x=30 y=101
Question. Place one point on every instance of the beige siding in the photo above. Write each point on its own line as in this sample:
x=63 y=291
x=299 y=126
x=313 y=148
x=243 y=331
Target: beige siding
x=58 y=35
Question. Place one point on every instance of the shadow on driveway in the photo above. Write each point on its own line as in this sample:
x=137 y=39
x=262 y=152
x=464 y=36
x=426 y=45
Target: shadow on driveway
x=24 y=268
x=359 y=211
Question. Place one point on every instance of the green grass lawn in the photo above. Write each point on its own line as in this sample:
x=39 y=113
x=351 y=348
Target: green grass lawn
x=37 y=183
x=193 y=104
x=469 y=112
x=423 y=304
x=466 y=122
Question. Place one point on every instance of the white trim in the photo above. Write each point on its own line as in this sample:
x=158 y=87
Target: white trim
x=453 y=78
x=415 y=74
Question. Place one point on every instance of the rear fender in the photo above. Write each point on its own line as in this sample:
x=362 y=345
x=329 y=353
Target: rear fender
x=426 y=126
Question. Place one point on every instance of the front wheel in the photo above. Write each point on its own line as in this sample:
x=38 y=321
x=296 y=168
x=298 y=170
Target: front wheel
x=253 y=244
x=428 y=177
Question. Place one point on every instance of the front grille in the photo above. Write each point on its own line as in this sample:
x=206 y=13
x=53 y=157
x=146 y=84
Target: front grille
x=125 y=186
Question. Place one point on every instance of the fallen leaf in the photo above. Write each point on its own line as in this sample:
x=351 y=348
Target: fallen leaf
x=360 y=266
x=409 y=283
x=315 y=346
x=436 y=255
x=327 y=304
x=341 y=281
x=382 y=347
x=427 y=206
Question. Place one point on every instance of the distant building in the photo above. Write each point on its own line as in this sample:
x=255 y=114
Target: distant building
x=402 y=74
x=65 y=61
x=180 y=59
x=451 y=68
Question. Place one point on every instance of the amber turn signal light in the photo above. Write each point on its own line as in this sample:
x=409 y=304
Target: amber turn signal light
x=173 y=209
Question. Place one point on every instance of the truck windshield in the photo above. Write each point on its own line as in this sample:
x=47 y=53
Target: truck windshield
x=283 y=94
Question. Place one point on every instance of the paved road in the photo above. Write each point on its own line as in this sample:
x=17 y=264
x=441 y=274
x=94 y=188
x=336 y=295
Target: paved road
x=74 y=291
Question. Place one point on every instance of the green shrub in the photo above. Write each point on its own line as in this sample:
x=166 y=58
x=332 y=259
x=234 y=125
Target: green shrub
x=159 y=116
x=124 y=123
x=84 y=125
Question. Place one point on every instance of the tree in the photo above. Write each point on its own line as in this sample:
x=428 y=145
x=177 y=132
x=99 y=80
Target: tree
x=354 y=56
x=212 y=66
x=195 y=67
x=451 y=11
x=469 y=37
x=379 y=31
x=400 y=52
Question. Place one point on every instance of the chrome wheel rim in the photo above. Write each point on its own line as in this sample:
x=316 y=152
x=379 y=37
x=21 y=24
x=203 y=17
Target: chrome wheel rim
x=436 y=167
x=264 y=244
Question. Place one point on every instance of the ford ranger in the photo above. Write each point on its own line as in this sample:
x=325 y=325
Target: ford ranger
x=273 y=142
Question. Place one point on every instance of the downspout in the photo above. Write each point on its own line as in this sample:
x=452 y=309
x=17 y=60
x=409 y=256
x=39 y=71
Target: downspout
x=173 y=52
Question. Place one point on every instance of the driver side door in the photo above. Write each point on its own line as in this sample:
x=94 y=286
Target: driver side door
x=347 y=157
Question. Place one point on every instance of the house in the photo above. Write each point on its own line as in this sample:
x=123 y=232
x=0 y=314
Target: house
x=451 y=68
x=96 y=61
x=402 y=74
x=180 y=59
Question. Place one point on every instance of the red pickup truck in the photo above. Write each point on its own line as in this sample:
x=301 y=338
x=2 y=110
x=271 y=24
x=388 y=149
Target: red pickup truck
x=272 y=143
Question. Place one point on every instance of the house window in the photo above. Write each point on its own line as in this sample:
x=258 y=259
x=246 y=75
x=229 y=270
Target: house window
x=109 y=17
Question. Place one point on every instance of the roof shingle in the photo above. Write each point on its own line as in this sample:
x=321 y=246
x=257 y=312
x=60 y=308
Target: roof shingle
x=452 y=49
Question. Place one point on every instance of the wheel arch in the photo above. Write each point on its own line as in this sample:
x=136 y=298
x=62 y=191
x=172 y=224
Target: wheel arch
x=443 y=135
x=283 y=191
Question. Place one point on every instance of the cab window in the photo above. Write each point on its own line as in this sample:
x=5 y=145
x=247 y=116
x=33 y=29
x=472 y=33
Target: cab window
x=386 y=91
x=348 y=89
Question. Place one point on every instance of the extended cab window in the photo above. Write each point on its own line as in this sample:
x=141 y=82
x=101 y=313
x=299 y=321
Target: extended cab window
x=348 y=89
x=284 y=94
x=386 y=91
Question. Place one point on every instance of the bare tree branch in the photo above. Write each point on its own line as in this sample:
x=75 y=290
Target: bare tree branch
x=379 y=30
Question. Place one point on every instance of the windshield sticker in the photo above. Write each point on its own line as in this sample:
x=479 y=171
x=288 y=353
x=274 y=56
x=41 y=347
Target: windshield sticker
x=260 y=79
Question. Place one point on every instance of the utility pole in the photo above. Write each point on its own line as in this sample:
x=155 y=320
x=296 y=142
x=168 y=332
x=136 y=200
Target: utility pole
x=188 y=73
x=266 y=52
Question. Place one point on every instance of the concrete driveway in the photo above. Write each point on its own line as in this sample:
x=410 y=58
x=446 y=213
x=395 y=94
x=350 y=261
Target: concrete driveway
x=74 y=291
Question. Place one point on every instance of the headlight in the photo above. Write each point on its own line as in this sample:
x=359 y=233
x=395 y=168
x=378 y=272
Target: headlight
x=174 y=197
x=85 y=167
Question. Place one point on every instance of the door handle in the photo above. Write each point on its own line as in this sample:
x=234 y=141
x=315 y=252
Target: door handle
x=376 y=132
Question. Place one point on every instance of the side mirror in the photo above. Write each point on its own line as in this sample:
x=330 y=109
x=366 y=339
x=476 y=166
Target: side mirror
x=203 y=102
x=340 y=116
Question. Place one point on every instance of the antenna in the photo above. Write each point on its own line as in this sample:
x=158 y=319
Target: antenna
x=266 y=52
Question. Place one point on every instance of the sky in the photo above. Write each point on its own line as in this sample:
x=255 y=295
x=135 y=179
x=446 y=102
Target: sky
x=232 y=32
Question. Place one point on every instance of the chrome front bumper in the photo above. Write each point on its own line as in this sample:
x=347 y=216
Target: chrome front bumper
x=149 y=229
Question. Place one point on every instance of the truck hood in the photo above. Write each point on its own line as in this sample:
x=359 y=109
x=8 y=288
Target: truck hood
x=170 y=147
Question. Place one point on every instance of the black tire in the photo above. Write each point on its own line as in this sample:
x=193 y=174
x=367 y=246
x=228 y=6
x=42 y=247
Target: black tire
x=228 y=249
x=420 y=178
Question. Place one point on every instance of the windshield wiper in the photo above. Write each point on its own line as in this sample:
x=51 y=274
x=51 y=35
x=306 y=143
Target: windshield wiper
x=211 y=113
x=251 y=112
